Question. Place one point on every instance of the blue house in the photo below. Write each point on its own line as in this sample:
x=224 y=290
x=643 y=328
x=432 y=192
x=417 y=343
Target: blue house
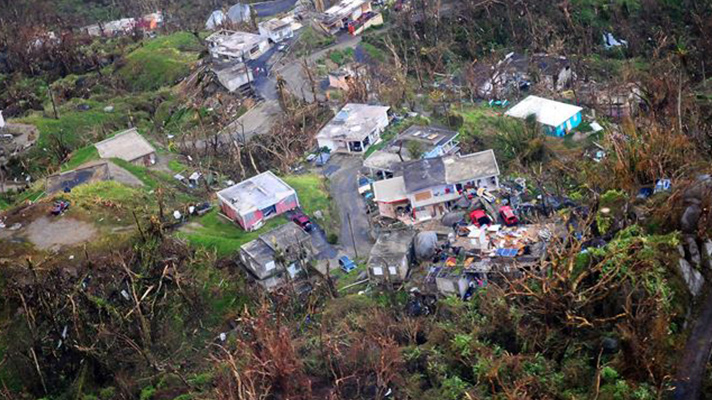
x=556 y=117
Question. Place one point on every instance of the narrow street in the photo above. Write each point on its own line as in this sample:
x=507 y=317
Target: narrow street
x=342 y=174
x=692 y=365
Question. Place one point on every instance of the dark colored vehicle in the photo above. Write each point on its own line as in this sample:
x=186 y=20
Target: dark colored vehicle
x=480 y=218
x=346 y=264
x=203 y=208
x=303 y=221
x=60 y=207
x=508 y=216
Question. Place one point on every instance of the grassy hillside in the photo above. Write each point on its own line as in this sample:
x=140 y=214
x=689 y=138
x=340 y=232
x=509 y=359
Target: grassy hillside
x=160 y=62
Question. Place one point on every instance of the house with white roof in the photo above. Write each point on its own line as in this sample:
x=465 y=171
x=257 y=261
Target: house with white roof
x=429 y=187
x=236 y=46
x=129 y=146
x=253 y=201
x=556 y=117
x=354 y=129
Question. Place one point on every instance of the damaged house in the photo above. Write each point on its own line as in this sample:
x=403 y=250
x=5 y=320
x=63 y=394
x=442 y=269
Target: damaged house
x=416 y=142
x=428 y=188
x=354 y=129
x=516 y=73
x=233 y=76
x=278 y=257
x=391 y=257
x=253 y=201
x=614 y=100
x=557 y=118
x=355 y=16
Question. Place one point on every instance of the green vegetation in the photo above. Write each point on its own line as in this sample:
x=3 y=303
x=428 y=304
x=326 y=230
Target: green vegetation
x=224 y=237
x=310 y=40
x=160 y=62
x=374 y=52
x=341 y=57
x=81 y=156
x=148 y=177
x=111 y=194
x=176 y=166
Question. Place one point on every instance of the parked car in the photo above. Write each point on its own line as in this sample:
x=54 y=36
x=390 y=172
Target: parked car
x=364 y=185
x=480 y=218
x=59 y=207
x=508 y=216
x=203 y=208
x=303 y=221
x=346 y=264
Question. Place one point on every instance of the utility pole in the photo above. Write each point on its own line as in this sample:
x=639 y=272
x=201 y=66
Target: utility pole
x=353 y=238
x=51 y=97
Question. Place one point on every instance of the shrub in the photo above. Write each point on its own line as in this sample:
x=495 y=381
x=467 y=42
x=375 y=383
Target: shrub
x=332 y=238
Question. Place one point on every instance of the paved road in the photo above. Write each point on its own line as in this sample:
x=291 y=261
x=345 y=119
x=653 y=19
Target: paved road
x=342 y=171
x=293 y=73
x=269 y=8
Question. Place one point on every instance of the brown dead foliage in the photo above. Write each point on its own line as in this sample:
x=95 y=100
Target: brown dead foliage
x=99 y=317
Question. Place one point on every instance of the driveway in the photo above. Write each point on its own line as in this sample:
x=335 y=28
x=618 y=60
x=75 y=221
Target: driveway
x=342 y=172
x=323 y=250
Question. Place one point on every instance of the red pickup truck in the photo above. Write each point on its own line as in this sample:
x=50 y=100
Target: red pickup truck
x=508 y=216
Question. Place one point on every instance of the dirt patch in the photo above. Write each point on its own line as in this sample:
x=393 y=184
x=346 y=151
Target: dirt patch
x=48 y=233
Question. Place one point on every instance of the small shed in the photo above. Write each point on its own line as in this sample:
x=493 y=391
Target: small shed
x=129 y=146
x=391 y=256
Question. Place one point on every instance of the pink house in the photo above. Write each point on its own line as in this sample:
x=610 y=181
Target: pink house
x=255 y=200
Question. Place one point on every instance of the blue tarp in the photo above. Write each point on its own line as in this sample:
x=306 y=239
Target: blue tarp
x=507 y=252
